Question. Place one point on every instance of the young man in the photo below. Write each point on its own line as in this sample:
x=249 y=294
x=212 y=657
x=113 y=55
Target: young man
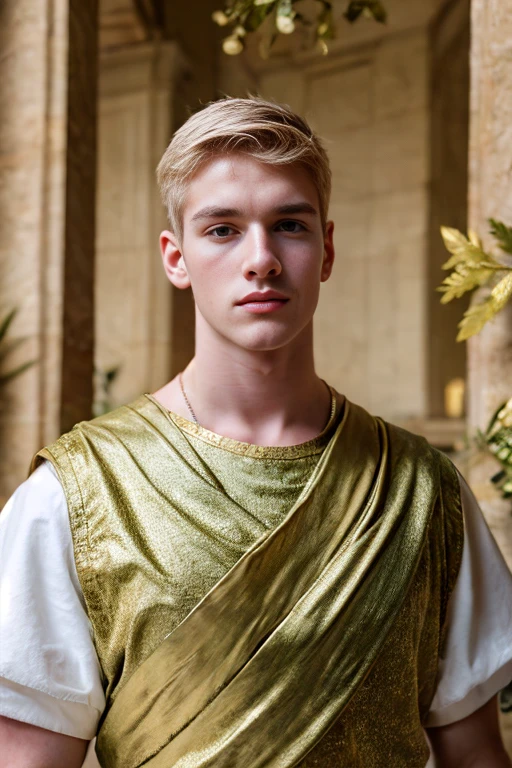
x=244 y=568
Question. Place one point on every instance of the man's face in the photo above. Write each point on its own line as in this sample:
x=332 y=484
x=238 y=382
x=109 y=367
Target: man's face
x=251 y=228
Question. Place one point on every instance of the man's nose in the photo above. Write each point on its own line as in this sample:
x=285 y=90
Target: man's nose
x=260 y=257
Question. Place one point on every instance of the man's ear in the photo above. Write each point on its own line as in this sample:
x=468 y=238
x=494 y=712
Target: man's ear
x=173 y=261
x=328 y=260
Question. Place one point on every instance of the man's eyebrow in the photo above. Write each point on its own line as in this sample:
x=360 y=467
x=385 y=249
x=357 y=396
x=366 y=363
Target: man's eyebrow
x=301 y=207
x=216 y=212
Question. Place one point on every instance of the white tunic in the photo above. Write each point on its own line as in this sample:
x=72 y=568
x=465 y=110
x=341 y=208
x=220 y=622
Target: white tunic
x=49 y=671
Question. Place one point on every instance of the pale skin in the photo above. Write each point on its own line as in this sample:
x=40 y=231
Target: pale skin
x=253 y=377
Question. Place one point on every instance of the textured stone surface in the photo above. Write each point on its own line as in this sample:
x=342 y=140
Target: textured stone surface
x=490 y=353
x=47 y=167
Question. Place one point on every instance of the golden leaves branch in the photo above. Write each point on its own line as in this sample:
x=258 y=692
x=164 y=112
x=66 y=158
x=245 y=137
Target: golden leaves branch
x=473 y=267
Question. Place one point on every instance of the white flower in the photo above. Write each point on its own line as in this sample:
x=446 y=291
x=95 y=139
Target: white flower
x=220 y=18
x=285 y=24
x=232 y=45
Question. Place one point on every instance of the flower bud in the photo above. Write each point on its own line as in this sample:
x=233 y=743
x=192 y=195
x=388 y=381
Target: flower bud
x=220 y=18
x=232 y=45
x=285 y=24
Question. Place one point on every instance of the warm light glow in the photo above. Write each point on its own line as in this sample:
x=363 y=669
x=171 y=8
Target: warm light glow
x=454 y=398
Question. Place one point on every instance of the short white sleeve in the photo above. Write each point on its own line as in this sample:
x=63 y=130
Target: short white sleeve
x=476 y=662
x=49 y=670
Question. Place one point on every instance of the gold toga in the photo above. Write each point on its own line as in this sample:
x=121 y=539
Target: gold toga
x=256 y=606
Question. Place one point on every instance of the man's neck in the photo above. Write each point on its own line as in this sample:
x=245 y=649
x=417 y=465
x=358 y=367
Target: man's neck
x=270 y=398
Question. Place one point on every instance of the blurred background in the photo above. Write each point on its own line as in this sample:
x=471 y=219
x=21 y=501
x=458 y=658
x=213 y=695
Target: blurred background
x=417 y=118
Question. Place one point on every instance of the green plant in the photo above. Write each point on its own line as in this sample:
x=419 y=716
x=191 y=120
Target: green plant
x=473 y=267
x=498 y=440
x=283 y=16
x=7 y=346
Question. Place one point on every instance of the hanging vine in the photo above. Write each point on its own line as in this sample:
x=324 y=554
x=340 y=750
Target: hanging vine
x=284 y=17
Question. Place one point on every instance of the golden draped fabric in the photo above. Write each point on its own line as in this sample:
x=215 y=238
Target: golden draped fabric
x=261 y=606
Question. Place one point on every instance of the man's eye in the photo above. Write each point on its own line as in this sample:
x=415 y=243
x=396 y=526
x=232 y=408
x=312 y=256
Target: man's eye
x=291 y=226
x=222 y=231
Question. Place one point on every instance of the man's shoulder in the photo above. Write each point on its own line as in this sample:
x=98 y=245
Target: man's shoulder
x=99 y=428
x=398 y=435
x=411 y=446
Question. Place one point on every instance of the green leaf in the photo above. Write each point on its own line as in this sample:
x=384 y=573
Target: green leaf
x=464 y=249
x=256 y=17
x=353 y=12
x=480 y=314
x=474 y=239
x=503 y=235
x=465 y=277
x=470 y=255
x=372 y=8
x=379 y=13
x=7 y=347
x=16 y=372
x=4 y=325
x=453 y=239
x=474 y=320
x=264 y=2
x=501 y=293
x=112 y=374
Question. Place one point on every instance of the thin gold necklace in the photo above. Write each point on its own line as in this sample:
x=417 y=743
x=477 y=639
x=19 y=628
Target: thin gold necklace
x=194 y=417
x=187 y=400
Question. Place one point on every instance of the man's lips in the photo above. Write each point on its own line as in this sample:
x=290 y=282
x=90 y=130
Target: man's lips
x=263 y=305
x=265 y=297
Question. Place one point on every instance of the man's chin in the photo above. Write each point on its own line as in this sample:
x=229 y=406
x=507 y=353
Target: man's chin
x=262 y=342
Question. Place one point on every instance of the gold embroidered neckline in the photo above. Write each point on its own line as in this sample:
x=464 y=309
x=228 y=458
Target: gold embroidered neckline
x=251 y=450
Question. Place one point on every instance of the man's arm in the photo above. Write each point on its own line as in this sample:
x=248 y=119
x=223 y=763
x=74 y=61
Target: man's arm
x=27 y=746
x=474 y=742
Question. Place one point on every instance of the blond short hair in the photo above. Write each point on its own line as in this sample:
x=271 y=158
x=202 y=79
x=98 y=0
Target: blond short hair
x=268 y=132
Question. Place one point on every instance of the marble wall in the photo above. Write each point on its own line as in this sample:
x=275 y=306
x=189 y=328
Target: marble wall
x=47 y=177
x=490 y=353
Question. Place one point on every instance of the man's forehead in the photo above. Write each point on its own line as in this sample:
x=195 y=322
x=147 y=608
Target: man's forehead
x=230 y=185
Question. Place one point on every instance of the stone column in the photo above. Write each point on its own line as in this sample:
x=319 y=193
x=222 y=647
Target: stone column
x=47 y=189
x=490 y=195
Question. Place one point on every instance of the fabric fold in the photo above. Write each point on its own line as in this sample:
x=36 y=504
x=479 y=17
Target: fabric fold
x=229 y=636
x=262 y=666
